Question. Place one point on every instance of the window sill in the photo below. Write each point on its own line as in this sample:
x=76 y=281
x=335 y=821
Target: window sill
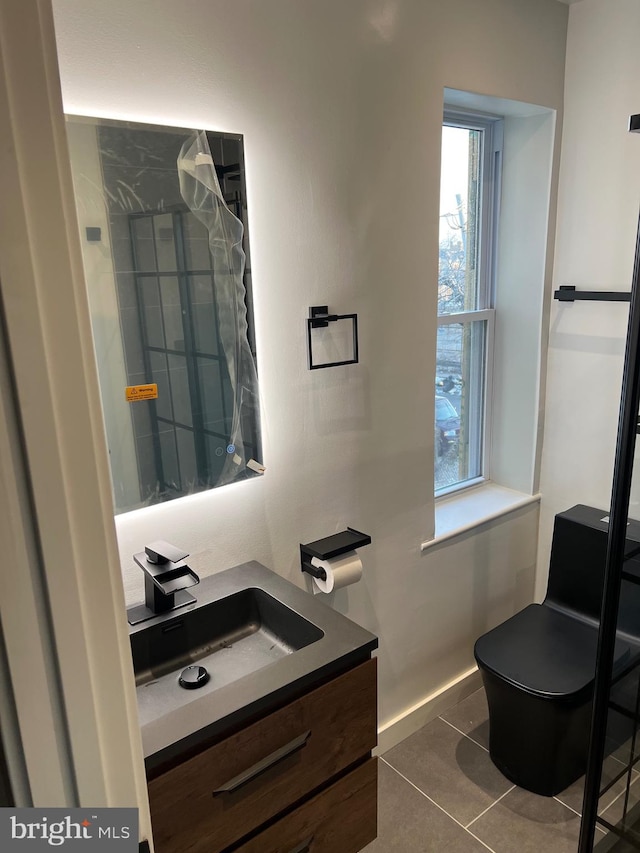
x=464 y=511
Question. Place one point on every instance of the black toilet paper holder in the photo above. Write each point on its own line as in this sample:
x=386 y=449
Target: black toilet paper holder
x=330 y=546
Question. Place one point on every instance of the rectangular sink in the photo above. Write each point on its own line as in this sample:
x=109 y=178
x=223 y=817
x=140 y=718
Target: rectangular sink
x=262 y=640
x=231 y=637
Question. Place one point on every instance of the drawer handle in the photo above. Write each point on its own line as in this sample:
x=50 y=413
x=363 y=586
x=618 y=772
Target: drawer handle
x=304 y=847
x=262 y=765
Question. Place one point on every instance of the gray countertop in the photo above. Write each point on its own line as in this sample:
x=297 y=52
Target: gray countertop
x=175 y=723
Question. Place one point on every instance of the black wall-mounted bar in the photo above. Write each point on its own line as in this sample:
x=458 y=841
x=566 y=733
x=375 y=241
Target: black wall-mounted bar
x=568 y=293
x=331 y=546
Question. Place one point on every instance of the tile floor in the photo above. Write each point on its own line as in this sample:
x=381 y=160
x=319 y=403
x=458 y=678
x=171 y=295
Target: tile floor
x=440 y=793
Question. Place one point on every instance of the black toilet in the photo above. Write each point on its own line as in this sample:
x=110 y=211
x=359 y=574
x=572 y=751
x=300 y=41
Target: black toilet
x=538 y=667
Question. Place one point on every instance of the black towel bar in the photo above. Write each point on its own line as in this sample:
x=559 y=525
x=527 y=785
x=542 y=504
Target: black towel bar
x=568 y=293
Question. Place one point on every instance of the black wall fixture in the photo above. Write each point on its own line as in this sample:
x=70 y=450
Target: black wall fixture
x=568 y=293
x=320 y=318
x=329 y=547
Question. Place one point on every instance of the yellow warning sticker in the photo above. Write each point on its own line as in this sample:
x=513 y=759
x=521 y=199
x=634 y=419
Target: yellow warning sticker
x=134 y=393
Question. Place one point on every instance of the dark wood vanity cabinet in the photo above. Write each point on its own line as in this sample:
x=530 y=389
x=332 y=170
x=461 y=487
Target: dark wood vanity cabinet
x=299 y=780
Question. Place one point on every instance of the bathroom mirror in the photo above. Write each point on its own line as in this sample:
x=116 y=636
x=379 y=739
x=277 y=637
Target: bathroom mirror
x=163 y=227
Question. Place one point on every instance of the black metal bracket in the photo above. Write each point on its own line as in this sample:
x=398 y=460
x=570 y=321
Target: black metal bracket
x=634 y=123
x=331 y=546
x=319 y=318
x=568 y=293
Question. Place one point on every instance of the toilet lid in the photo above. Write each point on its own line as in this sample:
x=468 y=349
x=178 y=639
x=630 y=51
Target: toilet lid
x=545 y=651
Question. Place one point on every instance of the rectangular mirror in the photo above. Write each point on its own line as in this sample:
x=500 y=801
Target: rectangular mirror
x=163 y=227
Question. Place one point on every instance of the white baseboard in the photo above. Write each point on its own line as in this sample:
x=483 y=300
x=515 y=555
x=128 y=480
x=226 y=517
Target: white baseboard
x=413 y=718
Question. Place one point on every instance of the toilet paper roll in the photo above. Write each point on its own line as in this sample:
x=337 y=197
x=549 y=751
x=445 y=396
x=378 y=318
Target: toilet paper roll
x=341 y=571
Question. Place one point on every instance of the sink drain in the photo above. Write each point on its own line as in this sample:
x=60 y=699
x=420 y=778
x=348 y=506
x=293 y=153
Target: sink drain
x=193 y=677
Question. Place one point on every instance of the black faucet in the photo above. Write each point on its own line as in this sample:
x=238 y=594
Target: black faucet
x=166 y=578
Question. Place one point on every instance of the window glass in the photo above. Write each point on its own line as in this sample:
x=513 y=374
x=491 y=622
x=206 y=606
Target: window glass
x=468 y=208
x=459 y=220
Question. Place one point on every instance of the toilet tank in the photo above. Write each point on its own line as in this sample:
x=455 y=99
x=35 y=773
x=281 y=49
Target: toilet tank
x=576 y=568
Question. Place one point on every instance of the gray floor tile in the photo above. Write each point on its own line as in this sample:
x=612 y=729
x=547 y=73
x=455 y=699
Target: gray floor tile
x=620 y=750
x=409 y=823
x=611 y=844
x=618 y=809
x=528 y=823
x=573 y=795
x=471 y=716
x=455 y=772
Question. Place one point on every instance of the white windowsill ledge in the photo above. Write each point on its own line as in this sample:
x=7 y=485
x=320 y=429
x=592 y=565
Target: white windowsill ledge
x=456 y=514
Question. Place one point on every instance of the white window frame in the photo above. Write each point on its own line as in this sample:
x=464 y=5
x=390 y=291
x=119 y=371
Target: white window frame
x=491 y=171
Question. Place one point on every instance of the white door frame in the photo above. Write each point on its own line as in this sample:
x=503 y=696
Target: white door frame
x=61 y=526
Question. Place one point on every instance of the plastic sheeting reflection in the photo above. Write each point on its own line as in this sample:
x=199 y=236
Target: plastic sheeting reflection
x=201 y=192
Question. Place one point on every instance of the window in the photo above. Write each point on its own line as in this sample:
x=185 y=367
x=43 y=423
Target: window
x=469 y=201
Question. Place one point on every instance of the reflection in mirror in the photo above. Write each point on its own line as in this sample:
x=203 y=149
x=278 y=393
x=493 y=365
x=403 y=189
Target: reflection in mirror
x=162 y=214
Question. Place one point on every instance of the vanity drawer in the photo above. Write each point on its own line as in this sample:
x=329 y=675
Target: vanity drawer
x=342 y=818
x=216 y=797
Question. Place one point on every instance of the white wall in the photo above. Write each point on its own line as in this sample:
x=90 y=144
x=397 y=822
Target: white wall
x=523 y=263
x=340 y=105
x=597 y=218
